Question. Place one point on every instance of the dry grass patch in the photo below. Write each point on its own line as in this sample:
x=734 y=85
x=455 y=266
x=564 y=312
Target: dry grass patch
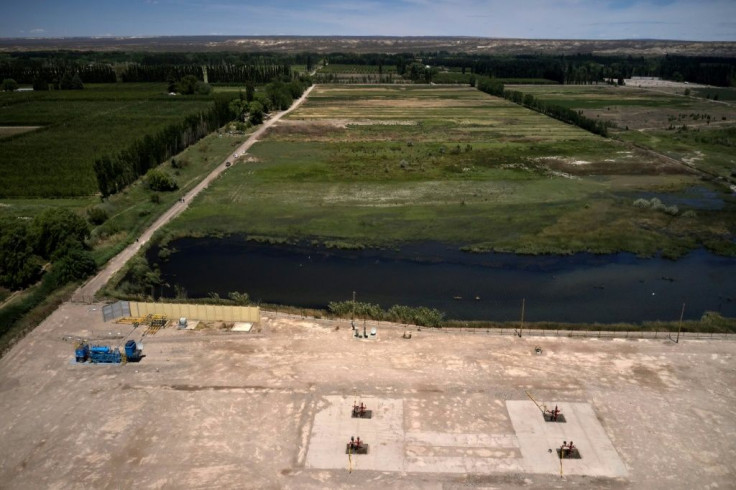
x=8 y=131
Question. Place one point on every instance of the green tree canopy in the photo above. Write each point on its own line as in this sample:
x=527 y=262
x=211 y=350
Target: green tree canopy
x=255 y=109
x=188 y=85
x=10 y=85
x=58 y=228
x=19 y=266
x=160 y=181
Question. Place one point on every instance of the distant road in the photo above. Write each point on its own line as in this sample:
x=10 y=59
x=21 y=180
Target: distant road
x=86 y=292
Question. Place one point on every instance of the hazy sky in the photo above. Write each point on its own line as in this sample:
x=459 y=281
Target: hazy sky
x=707 y=20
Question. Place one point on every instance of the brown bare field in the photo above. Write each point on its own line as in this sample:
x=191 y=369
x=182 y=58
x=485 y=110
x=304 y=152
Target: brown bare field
x=270 y=409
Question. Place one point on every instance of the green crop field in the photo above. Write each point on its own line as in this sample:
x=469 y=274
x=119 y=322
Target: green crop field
x=378 y=166
x=131 y=211
x=76 y=127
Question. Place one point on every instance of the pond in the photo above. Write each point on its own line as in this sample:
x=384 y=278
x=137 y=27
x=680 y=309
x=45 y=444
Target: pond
x=576 y=288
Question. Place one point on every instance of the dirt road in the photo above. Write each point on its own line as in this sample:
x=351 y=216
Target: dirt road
x=86 y=292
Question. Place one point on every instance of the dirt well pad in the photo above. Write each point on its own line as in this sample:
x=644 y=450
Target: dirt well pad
x=271 y=409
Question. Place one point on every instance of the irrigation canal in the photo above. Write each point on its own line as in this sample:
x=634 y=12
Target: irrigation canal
x=576 y=288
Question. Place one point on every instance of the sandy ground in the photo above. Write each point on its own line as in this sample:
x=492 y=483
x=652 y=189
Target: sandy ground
x=270 y=409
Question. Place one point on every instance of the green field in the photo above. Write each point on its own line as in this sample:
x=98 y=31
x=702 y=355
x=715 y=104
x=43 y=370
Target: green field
x=377 y=166
x=133 y=210
x=694 y=130
x=77 y=127
x=719 y=93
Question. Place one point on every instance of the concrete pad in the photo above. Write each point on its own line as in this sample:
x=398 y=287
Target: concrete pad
x=334 y=425
x=242 y=327
x=536 y=438
x=191 y=324
x=394 y=449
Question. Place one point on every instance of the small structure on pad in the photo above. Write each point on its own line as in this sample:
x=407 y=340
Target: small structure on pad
x=356 y=446
x=568 y=451
x=364 y=335
x=549 y=415
x=553 y=415
x=360 y=412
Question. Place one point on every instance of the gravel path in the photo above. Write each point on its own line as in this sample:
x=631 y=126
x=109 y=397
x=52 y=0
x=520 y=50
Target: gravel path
x=86 y=292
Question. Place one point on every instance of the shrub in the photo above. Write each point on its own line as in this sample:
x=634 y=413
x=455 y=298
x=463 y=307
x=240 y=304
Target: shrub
x=160 y=181
x=9 y=85
x=398 y=313
x=656 y=205
x=96 y=215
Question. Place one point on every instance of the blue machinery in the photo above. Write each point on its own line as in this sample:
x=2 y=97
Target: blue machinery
x=105 y=354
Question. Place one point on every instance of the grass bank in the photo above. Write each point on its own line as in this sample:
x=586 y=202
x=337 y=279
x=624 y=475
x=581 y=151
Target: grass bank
x=376 y=166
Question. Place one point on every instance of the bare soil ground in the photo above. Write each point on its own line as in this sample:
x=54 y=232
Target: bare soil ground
x=647 y=118
x=269 y=409
x=8 y=131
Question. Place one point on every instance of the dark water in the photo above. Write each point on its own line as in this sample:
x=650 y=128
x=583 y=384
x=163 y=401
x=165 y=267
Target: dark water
x=577 y=288
x=696 y=197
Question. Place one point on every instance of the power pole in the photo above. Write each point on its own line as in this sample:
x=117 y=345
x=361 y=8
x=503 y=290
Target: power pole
x=679 y=328
x=523 y=302
x=352 y=315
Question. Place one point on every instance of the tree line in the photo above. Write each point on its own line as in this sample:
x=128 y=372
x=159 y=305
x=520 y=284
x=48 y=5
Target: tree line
x=495 y=87
x=257 y=73
x=251 y=106
x=565 y=69
x=558 y=112
x=52 y=72
x=100 y=67
x=56 y=237
x=159 y=73
x=115 y=172
x=589 y=68
x=720 y=72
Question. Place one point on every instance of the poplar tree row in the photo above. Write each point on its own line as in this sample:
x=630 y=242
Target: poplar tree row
x=115 y=172
x=495 y=87
x=558 y=112
x=159 y=73
x=258 y=73
x=29 y=72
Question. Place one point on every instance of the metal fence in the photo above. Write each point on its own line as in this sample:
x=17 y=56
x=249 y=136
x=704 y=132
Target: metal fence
x=601 y=334
x=526 y=332
x=115 y=310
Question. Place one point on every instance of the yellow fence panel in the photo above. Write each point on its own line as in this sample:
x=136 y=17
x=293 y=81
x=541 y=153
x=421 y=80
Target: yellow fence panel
x=210 y=313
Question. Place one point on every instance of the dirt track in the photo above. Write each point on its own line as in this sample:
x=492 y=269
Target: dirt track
x=213 y=408
x=87 y=291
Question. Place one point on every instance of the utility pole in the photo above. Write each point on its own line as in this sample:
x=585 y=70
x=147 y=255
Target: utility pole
x=352 y=315
x=523 y=301
x=679 y=328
